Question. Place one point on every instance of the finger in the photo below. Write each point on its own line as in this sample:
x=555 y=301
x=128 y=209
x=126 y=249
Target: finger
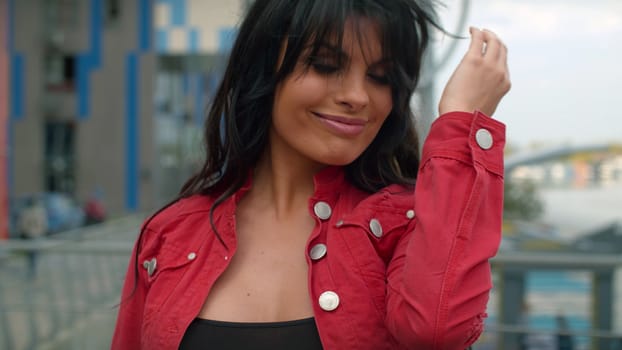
x=503 y=57
x=493 y=45
x=505 y=63
x=477 y=41
x=503 y=54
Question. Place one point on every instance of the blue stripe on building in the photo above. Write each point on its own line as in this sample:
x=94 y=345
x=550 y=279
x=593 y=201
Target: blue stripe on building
x=178 y=13
x=132 y=113
x=193 y=40
x=16 y=87
x=16 y=73
x=97 y=29
x=82 y=84
x=161 y=40
x=145 y=24
x=226 y=37
x=9 y=130
x=87 y=62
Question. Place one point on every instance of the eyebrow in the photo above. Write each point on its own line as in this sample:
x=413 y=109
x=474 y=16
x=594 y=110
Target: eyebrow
x=342 y=55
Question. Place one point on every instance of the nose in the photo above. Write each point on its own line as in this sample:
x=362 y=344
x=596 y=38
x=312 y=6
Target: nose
x=353 y=92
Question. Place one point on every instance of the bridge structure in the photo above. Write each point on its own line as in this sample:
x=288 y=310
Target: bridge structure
x=513 y=267
x=532 y=157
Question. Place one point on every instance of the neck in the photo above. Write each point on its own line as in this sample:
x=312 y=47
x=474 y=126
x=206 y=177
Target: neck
x=283 y=181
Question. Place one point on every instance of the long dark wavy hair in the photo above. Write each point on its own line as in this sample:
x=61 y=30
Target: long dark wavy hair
x=237 y=127
x=239 y=118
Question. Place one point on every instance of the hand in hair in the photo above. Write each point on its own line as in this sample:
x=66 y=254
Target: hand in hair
x=481 y=79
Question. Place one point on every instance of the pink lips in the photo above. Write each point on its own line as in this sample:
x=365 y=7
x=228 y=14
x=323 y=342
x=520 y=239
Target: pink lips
x=342 y=125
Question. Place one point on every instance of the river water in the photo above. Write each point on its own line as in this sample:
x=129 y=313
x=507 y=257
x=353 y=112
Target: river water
x=577 y=211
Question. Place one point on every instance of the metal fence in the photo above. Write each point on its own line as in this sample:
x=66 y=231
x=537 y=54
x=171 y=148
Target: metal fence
x=61 y=293
x=547 y=339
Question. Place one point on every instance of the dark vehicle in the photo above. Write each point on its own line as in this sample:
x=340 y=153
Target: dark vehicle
x=43 y=214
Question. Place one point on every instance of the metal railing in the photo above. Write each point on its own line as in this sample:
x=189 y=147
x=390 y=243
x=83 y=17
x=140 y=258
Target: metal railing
x=61 y=292
x=528 y=338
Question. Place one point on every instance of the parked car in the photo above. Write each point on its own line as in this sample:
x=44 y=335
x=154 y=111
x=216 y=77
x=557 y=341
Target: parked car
x=49 y=212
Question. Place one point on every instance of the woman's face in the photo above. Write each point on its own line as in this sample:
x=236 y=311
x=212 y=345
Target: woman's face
x=330 y=113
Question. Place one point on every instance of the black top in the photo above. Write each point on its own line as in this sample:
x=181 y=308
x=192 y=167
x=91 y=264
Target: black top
x=220 y=335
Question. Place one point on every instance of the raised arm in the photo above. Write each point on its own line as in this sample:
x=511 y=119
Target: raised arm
x=439 y=277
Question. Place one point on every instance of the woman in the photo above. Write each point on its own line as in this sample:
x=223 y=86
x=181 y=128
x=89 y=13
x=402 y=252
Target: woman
x=304 y=229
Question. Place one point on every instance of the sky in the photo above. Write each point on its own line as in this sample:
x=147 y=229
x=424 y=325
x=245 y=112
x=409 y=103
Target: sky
x=565 y=59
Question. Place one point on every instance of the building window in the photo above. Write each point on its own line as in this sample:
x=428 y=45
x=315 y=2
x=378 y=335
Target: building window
x=113 y=11
x=59 y=157
x=61 y=15
x=60 y=71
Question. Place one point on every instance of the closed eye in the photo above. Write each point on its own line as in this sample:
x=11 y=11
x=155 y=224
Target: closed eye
x=322 y=64
x=381 y=79
x=323 y=68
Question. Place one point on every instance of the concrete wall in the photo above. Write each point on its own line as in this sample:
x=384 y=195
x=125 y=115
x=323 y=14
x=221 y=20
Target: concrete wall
x=5 y=52
x=104 y=137
x=111 y=113
x=27 y=126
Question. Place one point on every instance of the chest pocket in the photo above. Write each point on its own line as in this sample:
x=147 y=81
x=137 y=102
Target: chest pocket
x=371 y=235
x=164 y=269
x=382 y=225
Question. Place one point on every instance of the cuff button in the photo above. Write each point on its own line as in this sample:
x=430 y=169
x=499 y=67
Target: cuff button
x=483 y=138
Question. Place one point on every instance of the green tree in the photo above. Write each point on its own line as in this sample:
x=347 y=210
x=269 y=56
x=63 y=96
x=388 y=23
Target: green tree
x=522 y=200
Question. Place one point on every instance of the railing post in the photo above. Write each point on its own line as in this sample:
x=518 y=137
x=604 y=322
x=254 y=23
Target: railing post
x=512 y=301
x=603 y=303
x=49 y=276
x=7 y=336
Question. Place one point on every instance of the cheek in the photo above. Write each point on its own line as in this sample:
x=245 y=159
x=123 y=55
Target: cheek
x=383 y=105
x=298 y=93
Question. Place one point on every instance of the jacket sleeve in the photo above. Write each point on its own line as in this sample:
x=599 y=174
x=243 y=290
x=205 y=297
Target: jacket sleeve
x=439 y=276
x=128 y=329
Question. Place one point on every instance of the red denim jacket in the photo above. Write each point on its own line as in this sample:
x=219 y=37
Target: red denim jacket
x=402 y=268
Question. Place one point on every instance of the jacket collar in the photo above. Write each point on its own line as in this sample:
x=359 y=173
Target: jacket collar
x=328 y=183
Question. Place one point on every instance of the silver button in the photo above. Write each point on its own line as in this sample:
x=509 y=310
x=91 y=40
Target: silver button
x=410 y=214
x=192 y=256
x=329 y=301
x=483 y=138
x=322 y=210
x=318 y=251
x=375 y=227
x=150 y=265
x=339 y=223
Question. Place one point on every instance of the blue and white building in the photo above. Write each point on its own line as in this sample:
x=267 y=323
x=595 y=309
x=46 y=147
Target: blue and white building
x=108 y=96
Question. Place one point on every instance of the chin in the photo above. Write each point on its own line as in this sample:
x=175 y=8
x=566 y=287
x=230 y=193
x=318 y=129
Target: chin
x=337 y=160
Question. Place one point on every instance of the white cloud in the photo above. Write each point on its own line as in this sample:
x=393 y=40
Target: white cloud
x=564 y=58
x=549 y=20
x=540 y=20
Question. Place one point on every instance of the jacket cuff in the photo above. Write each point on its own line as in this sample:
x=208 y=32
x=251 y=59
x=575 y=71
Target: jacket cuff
x=468 y=137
